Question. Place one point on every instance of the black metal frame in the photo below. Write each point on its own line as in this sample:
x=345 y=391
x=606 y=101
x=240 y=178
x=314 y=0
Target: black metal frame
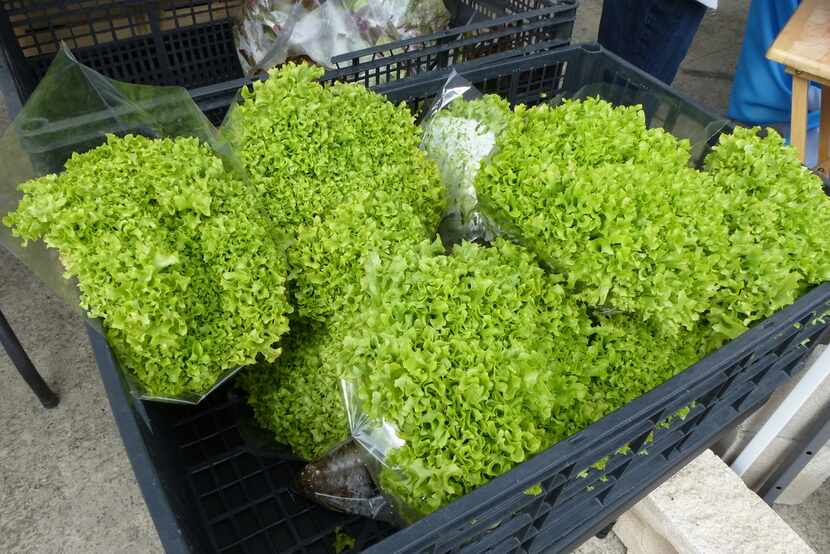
x=24 y=365
x=17 y=354
x=816 y=436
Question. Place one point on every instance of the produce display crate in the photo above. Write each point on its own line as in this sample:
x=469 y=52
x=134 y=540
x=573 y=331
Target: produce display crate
x=480 y=29
x=164 y=42
x=191 y=42
x=211 y=488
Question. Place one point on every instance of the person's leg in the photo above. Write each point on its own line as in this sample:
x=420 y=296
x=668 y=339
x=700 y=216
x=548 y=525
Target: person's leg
x=654 y=35
x=614 y=25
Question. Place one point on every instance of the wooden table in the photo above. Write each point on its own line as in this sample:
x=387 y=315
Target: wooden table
x=803 y=46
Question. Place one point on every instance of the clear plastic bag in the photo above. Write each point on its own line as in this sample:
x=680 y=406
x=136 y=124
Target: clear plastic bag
x=460 y=141
x=349 y=478
x=74 y=109
x=317 y=34
x=428 y=396
x=382 y=21
x=264 y=29
x=342 y=481
x=273 y=31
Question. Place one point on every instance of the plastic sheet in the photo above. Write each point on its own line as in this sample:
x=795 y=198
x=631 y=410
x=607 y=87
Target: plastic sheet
x=460 y=141
x=341 y=481
x=262 y=25
x=73 y=109
x=350 y=477
x=346 y=479
x=273 y=31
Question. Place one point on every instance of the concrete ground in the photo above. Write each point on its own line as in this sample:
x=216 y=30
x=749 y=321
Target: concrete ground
x=811 y=519
x=66 y=485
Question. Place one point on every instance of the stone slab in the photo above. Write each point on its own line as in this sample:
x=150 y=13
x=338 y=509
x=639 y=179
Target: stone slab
x=707 y=509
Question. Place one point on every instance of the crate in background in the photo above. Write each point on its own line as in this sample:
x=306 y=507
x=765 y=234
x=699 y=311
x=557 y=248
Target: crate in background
x=519 y=35
x=545 y=25
x=191 y=42
x=169 y=42
x=39 y=27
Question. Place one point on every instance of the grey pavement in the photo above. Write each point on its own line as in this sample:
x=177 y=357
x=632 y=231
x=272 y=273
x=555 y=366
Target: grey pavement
x=66 y=485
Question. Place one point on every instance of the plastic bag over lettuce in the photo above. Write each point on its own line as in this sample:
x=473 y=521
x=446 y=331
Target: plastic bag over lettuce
x=444 y=395
x=553 y=178
x=460 y=132
x=462 y=128
x=274 y=31
x=122 y=199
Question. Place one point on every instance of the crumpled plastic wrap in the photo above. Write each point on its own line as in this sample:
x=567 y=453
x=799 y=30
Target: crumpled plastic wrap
x=349 y=477
x=342 y=481
x=429 y=395
x=72 y=110
x=273 y=31
x=459 y=133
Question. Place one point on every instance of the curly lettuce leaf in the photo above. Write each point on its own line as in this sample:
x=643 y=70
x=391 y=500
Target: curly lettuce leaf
x=298 y=397
x=169 y=252
x=309 y=147
x=465 y=355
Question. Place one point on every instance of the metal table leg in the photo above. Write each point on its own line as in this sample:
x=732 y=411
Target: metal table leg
x=24 y=365
x=813 y=377
x=816 y=437
x=606 y=530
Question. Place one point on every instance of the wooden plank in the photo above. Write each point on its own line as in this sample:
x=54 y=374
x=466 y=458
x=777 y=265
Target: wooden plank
x=824 y=133
x=39 y=30
x=43 y=29
x=798 y=123
x=804 y=43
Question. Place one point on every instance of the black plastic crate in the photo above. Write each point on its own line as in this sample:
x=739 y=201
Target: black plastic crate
x=546 y=25
x=209 y=490
x=163 y=42
x=481 y=29
x=190 y=42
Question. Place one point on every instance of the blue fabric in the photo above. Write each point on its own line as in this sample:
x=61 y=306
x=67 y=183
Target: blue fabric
x=654 y=35
x=762 y=90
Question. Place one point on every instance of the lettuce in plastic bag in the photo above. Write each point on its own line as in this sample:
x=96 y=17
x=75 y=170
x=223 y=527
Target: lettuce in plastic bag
x=169 y=252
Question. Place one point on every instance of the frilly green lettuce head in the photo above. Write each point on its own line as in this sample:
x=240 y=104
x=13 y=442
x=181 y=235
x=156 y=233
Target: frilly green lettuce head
x=309 y=147
x=330 y=254
x=170 y=253
x=298 y=396
x=462 y=354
